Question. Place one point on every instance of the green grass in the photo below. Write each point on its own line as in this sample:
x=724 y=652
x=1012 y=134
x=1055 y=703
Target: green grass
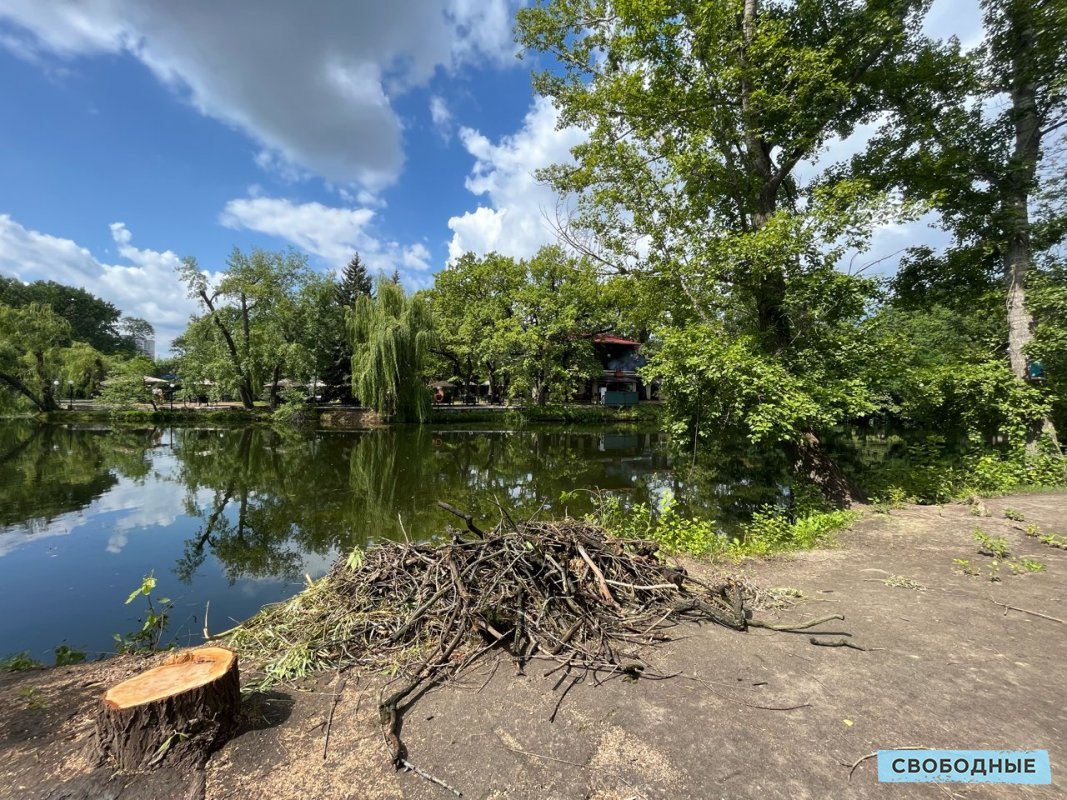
x=770 y=530
x=19 y=662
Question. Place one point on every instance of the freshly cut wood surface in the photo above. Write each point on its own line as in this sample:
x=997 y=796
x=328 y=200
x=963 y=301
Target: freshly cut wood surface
x=187 y=671
x=177 y=713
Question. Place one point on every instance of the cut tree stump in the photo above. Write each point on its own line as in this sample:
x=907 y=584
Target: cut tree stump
x=177 y=713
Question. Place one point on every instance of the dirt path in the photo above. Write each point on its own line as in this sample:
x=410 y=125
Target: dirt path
x=945 y=668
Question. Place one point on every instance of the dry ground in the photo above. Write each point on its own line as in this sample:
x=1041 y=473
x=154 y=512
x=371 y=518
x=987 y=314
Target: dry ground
x=946 y=667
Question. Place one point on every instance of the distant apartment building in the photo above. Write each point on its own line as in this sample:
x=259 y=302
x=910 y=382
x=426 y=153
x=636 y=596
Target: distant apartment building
x=146 y=346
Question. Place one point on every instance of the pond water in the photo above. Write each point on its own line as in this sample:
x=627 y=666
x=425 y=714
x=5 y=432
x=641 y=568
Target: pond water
x=239 y=515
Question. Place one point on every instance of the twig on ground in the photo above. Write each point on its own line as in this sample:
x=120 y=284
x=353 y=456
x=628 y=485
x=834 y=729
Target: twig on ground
x=546 y=758
x=1028 y=611
x=577 y=679
x=431 y=778
x=842 y=642
x=797 y=626
x=333 y=708
x=745 y=703
x=861 y=759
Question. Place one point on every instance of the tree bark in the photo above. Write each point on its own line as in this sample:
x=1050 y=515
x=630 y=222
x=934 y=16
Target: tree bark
x=811 y=460
x=1019 y=183
x=48 y=399
x=178 y=713
x=15 y=384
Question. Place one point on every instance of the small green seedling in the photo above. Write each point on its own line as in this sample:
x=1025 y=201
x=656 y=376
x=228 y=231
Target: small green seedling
x=33 y=698
x=1032 y=529
x=65 y=656
x=965 y=566
x=19 y=662
x=995 y=546
x=154 y=624
x=1055 y=540
x=1025 y=565
x=1014 y=514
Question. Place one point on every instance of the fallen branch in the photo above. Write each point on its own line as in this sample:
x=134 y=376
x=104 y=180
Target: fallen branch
x=431 y=778
x=1028 y=611
x=333 y=708
x=463 y=516
x=842 y=642
x=798 y=626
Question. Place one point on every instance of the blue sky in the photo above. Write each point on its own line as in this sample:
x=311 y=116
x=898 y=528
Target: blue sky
x=135 y=132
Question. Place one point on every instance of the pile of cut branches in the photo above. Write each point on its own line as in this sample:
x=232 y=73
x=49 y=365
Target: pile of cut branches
x=565 y=591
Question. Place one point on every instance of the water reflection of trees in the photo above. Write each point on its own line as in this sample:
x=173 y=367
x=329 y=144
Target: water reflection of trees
x=272 y=498
x=264 y=501
x=50 y=470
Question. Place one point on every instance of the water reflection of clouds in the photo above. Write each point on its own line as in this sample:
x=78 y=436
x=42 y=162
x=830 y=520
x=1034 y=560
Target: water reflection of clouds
x=314 y=565
x=140 y=505
x=158 y=508
x=36 y=530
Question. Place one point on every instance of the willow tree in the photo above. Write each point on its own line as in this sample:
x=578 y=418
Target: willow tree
x=32 y=342
x=391 y=338
x=703 y=117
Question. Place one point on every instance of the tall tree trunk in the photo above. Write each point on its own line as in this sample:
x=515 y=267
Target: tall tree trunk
x=244 y=386
x=811 y=460
x=15 y=384
x=1020 y=180
x=48 y=398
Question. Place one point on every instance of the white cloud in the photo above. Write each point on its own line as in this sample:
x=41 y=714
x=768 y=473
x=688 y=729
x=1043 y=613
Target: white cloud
x=311 y=84
x=147 y=286
x=416 y=257
x=331 y=233
x=441 y=116
x=513 y=222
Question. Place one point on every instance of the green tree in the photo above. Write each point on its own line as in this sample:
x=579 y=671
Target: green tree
x=474 y=302
x=391 y=339
x=254 y=313
x=524 y=325
x=698 y=115
x=92 y=320
x=970 y=134
x=32 y=339
x=125 y=384
x=84 y=368
x=557 y=308
x=355 y=282
x=134 y=330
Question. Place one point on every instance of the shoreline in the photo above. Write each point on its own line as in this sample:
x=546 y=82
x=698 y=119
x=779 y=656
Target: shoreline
x=360 y=418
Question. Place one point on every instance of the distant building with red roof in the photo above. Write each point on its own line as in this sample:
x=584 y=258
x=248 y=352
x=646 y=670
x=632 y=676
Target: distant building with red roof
x=619 y=383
